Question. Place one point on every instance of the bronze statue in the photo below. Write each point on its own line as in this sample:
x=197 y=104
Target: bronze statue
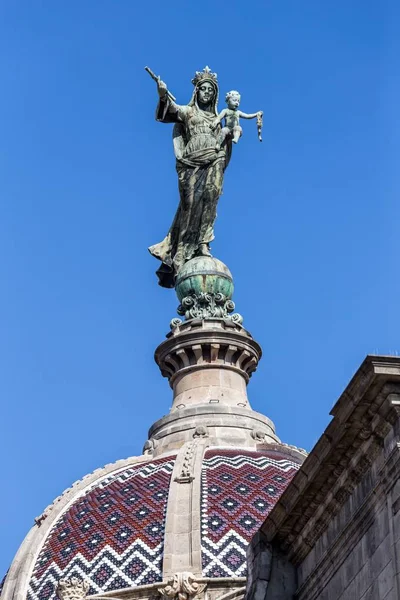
x=232 y=116
x=201 y=159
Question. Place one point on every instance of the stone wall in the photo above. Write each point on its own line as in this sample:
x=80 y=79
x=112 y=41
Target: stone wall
x=357 y=557
x=335 y=532
x=270 y=575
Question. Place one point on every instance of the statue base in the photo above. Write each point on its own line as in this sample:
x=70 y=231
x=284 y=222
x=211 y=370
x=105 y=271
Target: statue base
x=204 y=286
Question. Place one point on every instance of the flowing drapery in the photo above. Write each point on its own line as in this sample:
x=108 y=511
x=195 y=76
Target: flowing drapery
x=200 y=176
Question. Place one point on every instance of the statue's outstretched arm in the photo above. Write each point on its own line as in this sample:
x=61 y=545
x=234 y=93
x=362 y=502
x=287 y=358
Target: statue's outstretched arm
x=243 y=115
x=167 y=110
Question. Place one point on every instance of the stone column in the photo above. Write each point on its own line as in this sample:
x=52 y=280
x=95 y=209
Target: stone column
x=208 y=360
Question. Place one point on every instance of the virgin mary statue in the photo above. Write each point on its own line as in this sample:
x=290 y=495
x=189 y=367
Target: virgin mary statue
x=200 y=169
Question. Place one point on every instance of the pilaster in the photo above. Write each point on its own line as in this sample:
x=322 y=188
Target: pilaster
x=182 y=549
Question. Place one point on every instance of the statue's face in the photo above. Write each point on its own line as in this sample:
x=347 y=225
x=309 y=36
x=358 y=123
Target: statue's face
x=205 y=93
x=233 y=101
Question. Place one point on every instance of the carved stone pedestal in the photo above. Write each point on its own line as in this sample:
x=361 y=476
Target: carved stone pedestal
x=208 y=363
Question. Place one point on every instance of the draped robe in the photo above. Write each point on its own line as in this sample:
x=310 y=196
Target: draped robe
x=200 y=177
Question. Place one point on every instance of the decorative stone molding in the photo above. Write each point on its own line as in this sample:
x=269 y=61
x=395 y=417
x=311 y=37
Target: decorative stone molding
x=382 y=429
x=179 y=427
x=394 y=413
x=341 y=496
x=149 y=446
x=72 y=589
x=258 y=435
x=182 y=586
x=207 y=343
x=361 y=467
x=296 y=448
x=39 y=519
x=175 y=322
x=203 y=306
x=342 y=457
x=391 y=472
x=186 y=473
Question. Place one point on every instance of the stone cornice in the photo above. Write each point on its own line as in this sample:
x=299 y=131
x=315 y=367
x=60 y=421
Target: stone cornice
x=220 y=423
x=362 y=417
x=207 y=343
x=223 y=412
x=150 y=591
x=362 y=519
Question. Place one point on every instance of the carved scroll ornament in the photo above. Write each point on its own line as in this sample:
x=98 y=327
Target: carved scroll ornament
x=182 y=586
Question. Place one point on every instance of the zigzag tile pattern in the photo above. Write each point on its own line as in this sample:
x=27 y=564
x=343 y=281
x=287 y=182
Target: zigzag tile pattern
x=112 y=536
x=239 y=489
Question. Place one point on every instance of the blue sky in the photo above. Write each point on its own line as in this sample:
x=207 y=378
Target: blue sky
x=308 y=222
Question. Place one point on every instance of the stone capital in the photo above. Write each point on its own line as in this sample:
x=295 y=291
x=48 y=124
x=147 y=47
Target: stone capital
x=72 y=589
x=181 y=586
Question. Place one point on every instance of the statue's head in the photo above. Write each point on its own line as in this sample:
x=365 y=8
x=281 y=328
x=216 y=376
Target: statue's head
x=205 y=92
x=232 y=99
x=206 y=89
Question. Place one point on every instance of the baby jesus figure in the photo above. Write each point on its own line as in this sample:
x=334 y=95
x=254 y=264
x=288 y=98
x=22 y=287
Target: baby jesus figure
x=232 y=115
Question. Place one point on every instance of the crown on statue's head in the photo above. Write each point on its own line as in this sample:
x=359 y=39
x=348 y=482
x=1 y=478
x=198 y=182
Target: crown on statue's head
x=205 y=75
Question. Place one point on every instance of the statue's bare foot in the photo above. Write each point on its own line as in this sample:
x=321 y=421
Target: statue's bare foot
x=204 y=250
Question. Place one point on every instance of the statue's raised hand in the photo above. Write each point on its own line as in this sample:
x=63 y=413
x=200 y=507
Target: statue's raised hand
x=161 y=88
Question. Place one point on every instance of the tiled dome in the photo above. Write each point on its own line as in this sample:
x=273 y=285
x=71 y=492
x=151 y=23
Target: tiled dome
x=111 y=533
x=239 y=489
x=178 y=518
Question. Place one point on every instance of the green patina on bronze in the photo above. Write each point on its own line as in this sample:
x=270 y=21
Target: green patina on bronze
x=204 y=275
x=204 y=286
x=200 y=167
x=202 y=150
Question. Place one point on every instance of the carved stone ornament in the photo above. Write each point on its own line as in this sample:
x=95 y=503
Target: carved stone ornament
x=200 y=432
x=186 y=472
x=39 y=520
x=204 y=305
x=175 y=322
x=182 y=586
x=149 y=446
x=258 y=435
x=72 y=589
